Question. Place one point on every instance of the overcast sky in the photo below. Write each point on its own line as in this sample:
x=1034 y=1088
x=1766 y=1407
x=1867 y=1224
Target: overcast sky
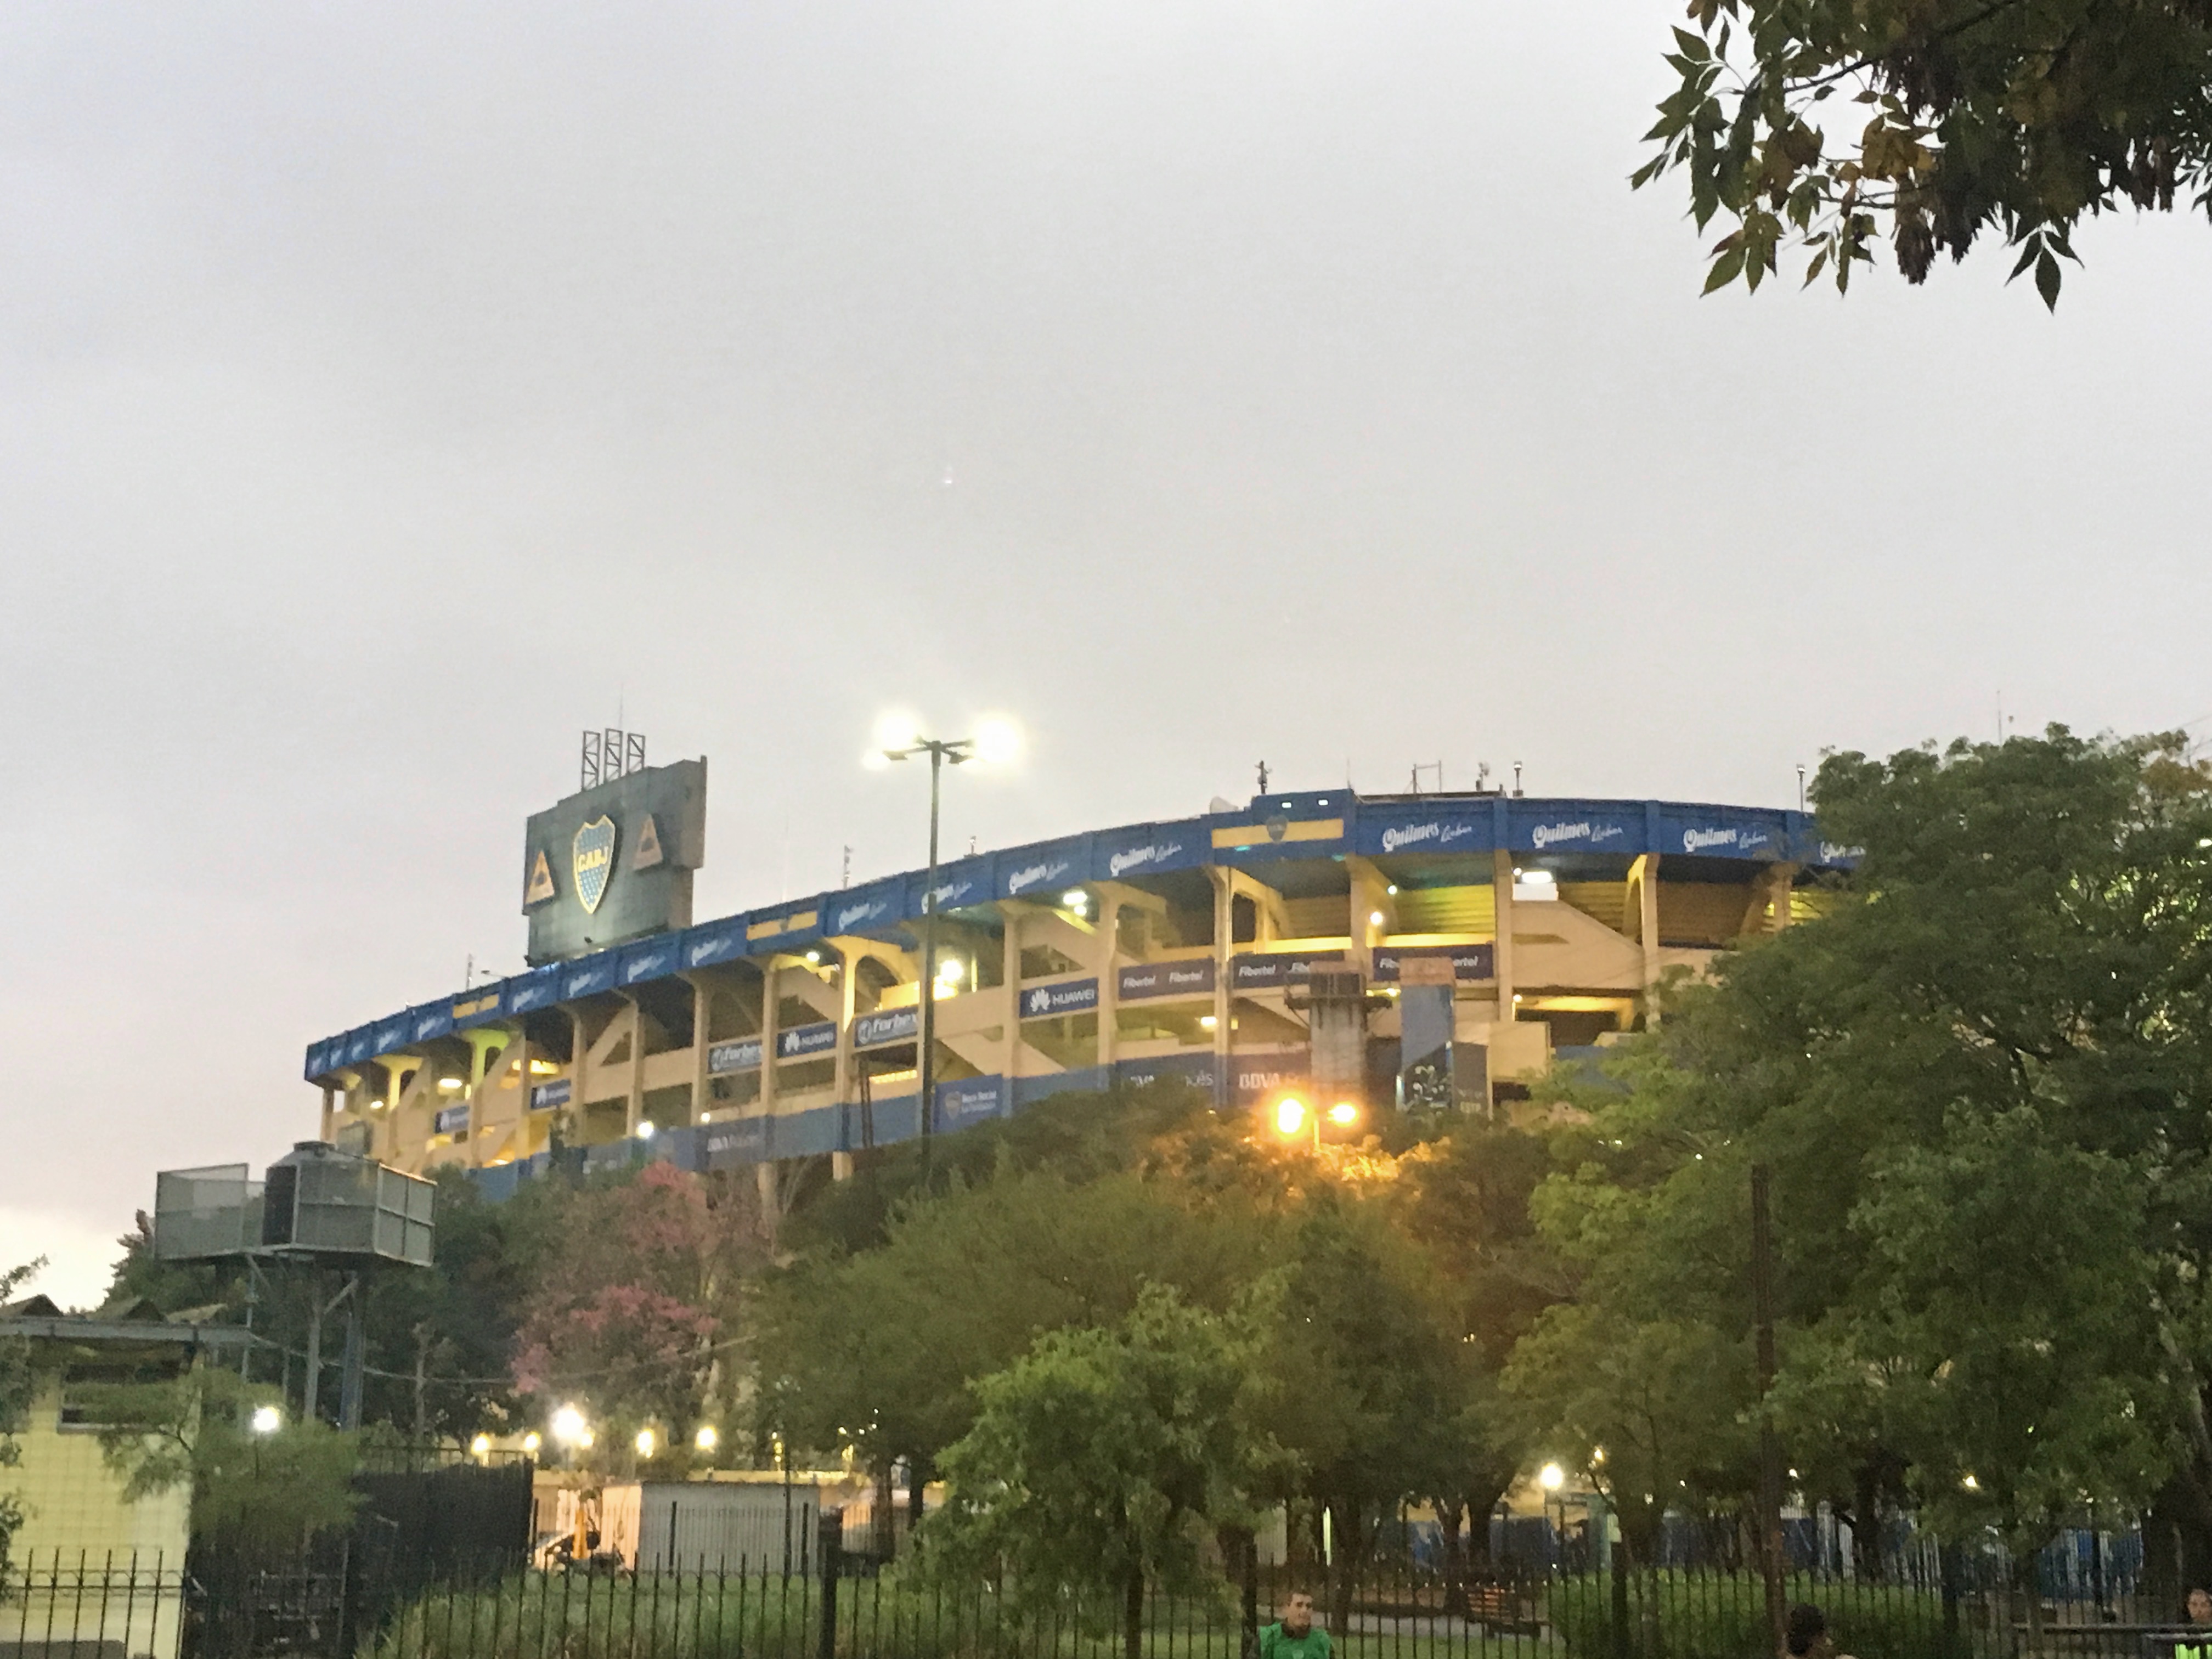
x=389 y=391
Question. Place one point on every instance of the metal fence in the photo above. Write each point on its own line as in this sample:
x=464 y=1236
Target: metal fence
x=1913 y=1602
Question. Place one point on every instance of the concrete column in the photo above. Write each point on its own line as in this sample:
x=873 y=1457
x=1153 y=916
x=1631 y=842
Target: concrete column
x=1370 y=896
x=1010 y=974
x=1781 y=882
x=1501 y=878
x=1643 y=876
x=1109 y=982
x=1224 y=917
x=635 y=1110
x=702 y=1024
x=770 y=1008
x=327 y=1132
x=840 y=1163
x=580 y=1046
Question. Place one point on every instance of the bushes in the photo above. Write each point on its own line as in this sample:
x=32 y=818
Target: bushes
x=1691 y=1615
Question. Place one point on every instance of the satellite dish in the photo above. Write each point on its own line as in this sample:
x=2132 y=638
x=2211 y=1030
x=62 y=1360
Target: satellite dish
x=1218 y=805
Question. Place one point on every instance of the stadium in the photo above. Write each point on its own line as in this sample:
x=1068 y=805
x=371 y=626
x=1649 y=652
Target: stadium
x=1427 y=952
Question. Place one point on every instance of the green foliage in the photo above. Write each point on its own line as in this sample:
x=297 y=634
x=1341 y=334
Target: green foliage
x=1723 y=1616
x=1983 y=1091
x=269 y=1489
x=1833 y=125
x=1100 y=1459
x=16 y=1383
x=880 y=1349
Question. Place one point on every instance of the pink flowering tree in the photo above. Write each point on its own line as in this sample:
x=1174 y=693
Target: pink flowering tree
x=638 y=1307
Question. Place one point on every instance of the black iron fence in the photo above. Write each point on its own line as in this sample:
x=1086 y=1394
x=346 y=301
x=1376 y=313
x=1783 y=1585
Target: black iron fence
x=1916 y=1603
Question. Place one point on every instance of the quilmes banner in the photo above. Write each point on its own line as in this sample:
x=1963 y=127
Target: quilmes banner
x=1190 y=976
x=452 y=1121
x=546 y=1095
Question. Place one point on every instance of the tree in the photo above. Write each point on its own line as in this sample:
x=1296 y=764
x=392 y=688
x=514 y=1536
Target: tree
x=1099 y=1458
x=1364 y=1377
x=270 y=1488
x=16 y=1381
x=881 y=1349
x=1983 y=1091
x=2007 y=117
x=638 y=1301
x=1465 y=1197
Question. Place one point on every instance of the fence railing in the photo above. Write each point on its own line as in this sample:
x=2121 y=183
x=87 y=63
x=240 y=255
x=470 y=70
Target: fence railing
x=1911 y=1606
x=117 y=1605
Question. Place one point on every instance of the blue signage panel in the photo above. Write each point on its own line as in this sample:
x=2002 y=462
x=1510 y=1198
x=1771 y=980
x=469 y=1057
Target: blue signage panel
x=546 y=1095
x=973 y=1100
x=588 y=977
x=893 y=1026
x=742 y=1055
x=1186 y=976
x=1197 y=1070
x=1074 y=996
x=1256 y=1072
x=526 y=993
x=359 y=1047
x=1722 y=832
x=1469 y=962
x=1042 y=872
x=1385 y=830
x=1258 y=970
x=393 y=1035
x=453 y=1121
x=432 y=1019
x=653 y=959
x=1146 y=848
x=875 y=908
x=740 y=1140
x=801 y=1039
x=1575 y=826
x=715 y=942
x=964 y=883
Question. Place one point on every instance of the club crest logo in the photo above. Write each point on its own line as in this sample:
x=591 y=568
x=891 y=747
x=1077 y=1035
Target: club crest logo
x=594 y=861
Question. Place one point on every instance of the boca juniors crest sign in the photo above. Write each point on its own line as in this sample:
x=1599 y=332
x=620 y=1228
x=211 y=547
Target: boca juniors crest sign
x=594 y=861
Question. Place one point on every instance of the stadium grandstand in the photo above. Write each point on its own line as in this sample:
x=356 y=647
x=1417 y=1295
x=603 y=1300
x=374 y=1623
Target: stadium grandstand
x=1437 y=950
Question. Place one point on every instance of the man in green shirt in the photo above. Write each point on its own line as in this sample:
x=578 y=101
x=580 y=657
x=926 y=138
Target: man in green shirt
x=1294 y=1636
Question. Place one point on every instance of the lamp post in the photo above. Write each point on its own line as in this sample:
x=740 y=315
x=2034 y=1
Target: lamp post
x=898 y=740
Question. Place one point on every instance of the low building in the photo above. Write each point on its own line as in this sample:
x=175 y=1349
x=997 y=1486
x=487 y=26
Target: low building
x=90 y=1565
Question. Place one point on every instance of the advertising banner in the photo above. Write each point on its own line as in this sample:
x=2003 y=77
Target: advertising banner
x=803 y=1040
x=546 y=1095
x=1469 y=962
x=893 y=1025
x=1190 y=976
x=1261 y=970
x=742 y=1055
x=1074 y=996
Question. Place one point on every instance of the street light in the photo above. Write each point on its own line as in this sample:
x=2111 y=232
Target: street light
x=898 y=738
x=569 y=1428
x=708 y=1439
x=266 y=1419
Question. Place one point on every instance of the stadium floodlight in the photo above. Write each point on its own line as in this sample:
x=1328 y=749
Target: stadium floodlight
x=898 y=738
x=266 y=1419
x=998 y=740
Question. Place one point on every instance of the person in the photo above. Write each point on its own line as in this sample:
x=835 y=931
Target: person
x=1294 y=1636
x=1805 y=1635
x=2200 y=1606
